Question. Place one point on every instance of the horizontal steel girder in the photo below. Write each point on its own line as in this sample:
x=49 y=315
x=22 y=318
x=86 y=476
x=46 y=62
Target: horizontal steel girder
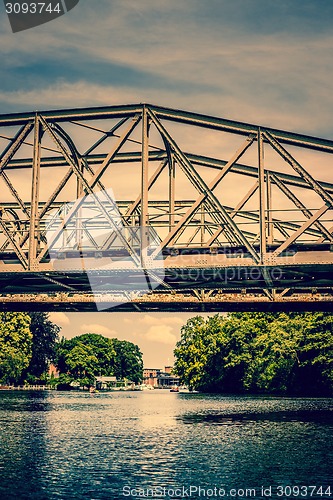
x=217 y=302
x=180 y=116
x=202 y=161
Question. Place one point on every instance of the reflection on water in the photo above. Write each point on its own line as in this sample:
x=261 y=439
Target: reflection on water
x=76 y=446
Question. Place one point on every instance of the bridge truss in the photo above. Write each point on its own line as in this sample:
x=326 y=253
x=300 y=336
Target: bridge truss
x=226 y=215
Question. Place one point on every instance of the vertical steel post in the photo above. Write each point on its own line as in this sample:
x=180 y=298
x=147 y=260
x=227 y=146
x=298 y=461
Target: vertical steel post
x=34 y=219
x=172 y=172
x=202 y=221
x=261 y=178
x=144 y=187
x=78 y=222
x=270 y=235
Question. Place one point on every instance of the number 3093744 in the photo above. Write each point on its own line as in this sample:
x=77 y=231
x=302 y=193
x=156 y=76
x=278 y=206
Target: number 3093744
x=33 y=8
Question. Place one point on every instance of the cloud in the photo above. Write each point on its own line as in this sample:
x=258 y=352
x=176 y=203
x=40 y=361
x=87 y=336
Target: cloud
x=97 y=328
x=59 y=318
x=160 y=333
x=155 y=328
x=149 y=320
x=226 y=59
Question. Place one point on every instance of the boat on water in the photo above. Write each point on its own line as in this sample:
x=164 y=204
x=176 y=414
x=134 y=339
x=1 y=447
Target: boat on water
x=183 y=389
x=144 y=387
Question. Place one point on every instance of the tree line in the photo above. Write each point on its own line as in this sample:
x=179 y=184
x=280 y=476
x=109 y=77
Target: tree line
x=29 y=343
x=258 y=353
x=241 y=352
x=86 y=356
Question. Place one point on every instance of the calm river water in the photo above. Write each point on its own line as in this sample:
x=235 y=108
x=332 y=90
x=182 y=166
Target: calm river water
x=58 y=445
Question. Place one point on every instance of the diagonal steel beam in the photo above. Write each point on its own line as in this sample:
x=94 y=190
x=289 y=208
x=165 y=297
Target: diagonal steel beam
x=15 y=193
x=292 y=197
x=241 y=128
x=299 y=169
x=78 y=172
x=15 y=144
x=211 y=186
x=16 y=246
x=56 y=282
x=88 y=189
x=105 y=136
x=82 y=163
x=301 y=230
x=330 y=230
x=7 y=155
x=100 y=171
x=131 y=209
x=238 y=207
x=69 y=173
x=201 y=186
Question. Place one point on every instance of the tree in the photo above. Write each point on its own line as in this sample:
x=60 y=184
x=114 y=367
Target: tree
x=101 y=347
x=86 y=356
x=315 y=370
x=198 y=343
x=257 y=352
x=275 y=351
x=128 y=362
x=44 y=337
x=15 y=346
x=82 y=363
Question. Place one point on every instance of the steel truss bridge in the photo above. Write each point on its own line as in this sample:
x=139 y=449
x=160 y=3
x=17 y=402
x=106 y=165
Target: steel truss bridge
x=225 y=215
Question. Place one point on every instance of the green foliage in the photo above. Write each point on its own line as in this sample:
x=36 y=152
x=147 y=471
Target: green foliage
x=15 y=346
x=258 y=352
x=128 y=362
x=44 y=337
x=84 y=357
x=198 y=344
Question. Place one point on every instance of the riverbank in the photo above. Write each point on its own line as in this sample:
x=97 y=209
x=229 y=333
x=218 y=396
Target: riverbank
x=26 y=388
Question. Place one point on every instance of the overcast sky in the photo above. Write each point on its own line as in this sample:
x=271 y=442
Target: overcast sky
x=262 y=61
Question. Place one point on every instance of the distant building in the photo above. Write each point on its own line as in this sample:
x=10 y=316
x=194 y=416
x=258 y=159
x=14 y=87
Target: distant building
x=160 y=379
x=53 y=371
x=167 y=380
x=150 y=376
x=151 y=372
